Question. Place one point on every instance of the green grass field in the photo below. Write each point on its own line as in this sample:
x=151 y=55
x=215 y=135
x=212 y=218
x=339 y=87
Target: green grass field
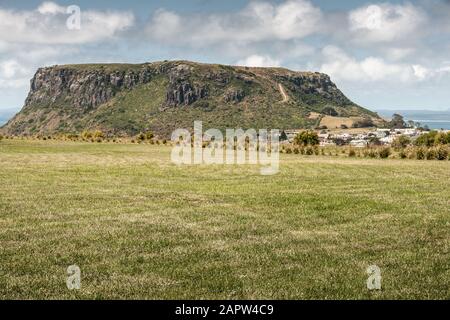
x=140 y=227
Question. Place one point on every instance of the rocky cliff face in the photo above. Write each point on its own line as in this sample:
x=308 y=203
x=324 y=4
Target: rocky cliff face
x=87 y=89
x=125 y=99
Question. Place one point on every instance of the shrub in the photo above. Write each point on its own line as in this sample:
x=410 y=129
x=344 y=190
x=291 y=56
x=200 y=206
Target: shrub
x=402 y=154
x=420 y=153
x=369 y=153
x=309 y=151
x=140 y=137
x=98 y=134
x=384 y=153
x=352 y=153
x=86 y=135
x=441 y=153
x=149 y=135
x=288 y=150
x=316 y=150
x=69 y=136
x=410 y=153
x=401 y=142
x=1 y=137
x=442 y=138
x=296 y=150
x=430 y=154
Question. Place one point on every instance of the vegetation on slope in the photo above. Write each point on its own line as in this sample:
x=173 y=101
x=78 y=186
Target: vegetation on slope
x=163 y=96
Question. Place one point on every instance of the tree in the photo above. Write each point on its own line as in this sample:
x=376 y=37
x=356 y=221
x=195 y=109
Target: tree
x=401 y=142
x=307 y=138
x=442 y=138
x=339 y=142
x=363 y=123
x=330 y=111
x=397 y=122
x=375 y=141
x=283 y=136
x=426 y=139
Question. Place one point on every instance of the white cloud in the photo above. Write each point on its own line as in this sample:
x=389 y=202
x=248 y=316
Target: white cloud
x=258 y=61
x=13 y=74
x=386 y=22
x=50 y=8
x=371 y=69
x=398 y=53
x=421 y=72
x=47 y=25
x=259 y=21
x=11 y=68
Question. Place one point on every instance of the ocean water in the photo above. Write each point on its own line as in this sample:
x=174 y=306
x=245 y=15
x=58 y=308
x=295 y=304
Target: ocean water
x=433 y=119
x=433 y=124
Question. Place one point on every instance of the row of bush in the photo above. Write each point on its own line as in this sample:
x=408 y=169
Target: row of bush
x=425 y=153
x=96 y=136
x=440 y=152
x=433 y=138
x=304 y=150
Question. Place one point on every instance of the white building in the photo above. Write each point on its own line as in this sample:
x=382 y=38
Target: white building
x=359 y=143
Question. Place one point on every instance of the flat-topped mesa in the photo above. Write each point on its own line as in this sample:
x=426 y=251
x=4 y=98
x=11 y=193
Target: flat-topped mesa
x=162 y=96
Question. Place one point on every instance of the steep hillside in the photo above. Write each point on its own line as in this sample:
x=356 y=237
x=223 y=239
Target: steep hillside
x=162 y=96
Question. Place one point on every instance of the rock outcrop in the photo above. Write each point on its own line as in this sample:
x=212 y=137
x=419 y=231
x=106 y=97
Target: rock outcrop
x=86 y=89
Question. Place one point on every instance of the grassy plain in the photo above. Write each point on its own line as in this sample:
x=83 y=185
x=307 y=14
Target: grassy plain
x=141 y=227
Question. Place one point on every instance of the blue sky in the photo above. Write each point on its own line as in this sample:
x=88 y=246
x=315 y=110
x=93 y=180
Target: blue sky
x=383 y=55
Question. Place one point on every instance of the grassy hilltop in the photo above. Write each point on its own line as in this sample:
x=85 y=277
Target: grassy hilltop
x=141 y=227
x=124 y=99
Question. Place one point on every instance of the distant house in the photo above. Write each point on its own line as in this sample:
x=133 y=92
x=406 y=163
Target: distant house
x=359 y=143
x=327 y=143
x=388 y=139
x=291 y=134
